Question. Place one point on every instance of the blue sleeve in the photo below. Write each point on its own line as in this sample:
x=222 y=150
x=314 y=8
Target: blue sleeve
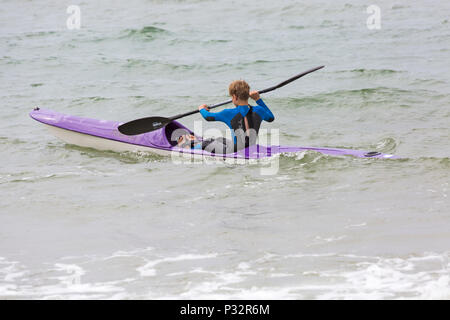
x=267 y=114
x=214 y=116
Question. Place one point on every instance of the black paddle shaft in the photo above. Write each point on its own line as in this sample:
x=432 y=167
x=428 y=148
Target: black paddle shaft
x=282 y=84
x=148 y=124
x=182 y=115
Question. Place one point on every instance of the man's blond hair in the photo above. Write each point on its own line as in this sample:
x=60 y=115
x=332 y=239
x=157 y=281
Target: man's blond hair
x=240 y=89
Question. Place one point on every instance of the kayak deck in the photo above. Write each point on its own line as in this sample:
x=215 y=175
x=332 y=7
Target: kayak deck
x=104 y=135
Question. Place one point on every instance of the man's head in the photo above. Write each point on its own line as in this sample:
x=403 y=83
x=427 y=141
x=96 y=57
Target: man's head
x=239 y=91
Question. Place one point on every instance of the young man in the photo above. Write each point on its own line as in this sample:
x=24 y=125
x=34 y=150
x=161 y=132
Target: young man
x=243 y=120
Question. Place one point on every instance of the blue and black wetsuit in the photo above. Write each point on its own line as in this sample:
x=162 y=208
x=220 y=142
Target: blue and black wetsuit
x=235 y=120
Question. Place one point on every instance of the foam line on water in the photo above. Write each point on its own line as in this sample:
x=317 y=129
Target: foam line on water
x=148 y=269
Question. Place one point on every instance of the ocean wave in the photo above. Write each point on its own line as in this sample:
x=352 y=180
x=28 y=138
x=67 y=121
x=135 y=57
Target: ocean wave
x=128 y=157
x=297 y=27
x=311 y=160
x=364 y=97
x=214 y=41
x=371 y=72
x=229 y=275
x=84 y=100
x=140 y=62
x=385 y=145
x=62 y=281
x=413 y=277
x=10 y=60
x=148 y=270
x=12 y=141
x=400 y=6
x=40 y=178
x=37 y=34
x=146 y=33
x=432 y=162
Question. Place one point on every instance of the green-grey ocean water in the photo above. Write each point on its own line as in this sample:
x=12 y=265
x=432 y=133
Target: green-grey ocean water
x=81 y=223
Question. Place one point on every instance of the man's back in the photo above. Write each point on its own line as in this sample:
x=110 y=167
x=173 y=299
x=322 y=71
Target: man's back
x=243 y=120
x=235 y=119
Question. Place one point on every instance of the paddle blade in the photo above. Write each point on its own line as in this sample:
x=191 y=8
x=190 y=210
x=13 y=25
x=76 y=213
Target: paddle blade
x=143 y=125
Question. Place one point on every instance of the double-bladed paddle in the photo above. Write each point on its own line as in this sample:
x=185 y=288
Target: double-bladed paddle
x=148 y=124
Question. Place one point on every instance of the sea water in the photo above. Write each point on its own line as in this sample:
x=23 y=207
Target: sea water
x=78 y=223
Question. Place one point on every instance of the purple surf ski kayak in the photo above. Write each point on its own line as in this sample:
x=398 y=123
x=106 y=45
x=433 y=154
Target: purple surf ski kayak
x=103 y=135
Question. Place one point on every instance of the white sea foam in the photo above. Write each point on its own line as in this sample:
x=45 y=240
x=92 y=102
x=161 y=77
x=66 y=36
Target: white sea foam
x=63 y=282
x=131 y=253
x=388 y=278
x=371 y=278
x=302 y=275
x=148 y=270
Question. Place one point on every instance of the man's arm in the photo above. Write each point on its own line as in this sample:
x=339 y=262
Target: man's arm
x=267 y=114
x=210 y=116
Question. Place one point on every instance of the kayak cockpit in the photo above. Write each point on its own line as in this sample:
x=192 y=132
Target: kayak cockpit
x=167 y=136
x=174 y=130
